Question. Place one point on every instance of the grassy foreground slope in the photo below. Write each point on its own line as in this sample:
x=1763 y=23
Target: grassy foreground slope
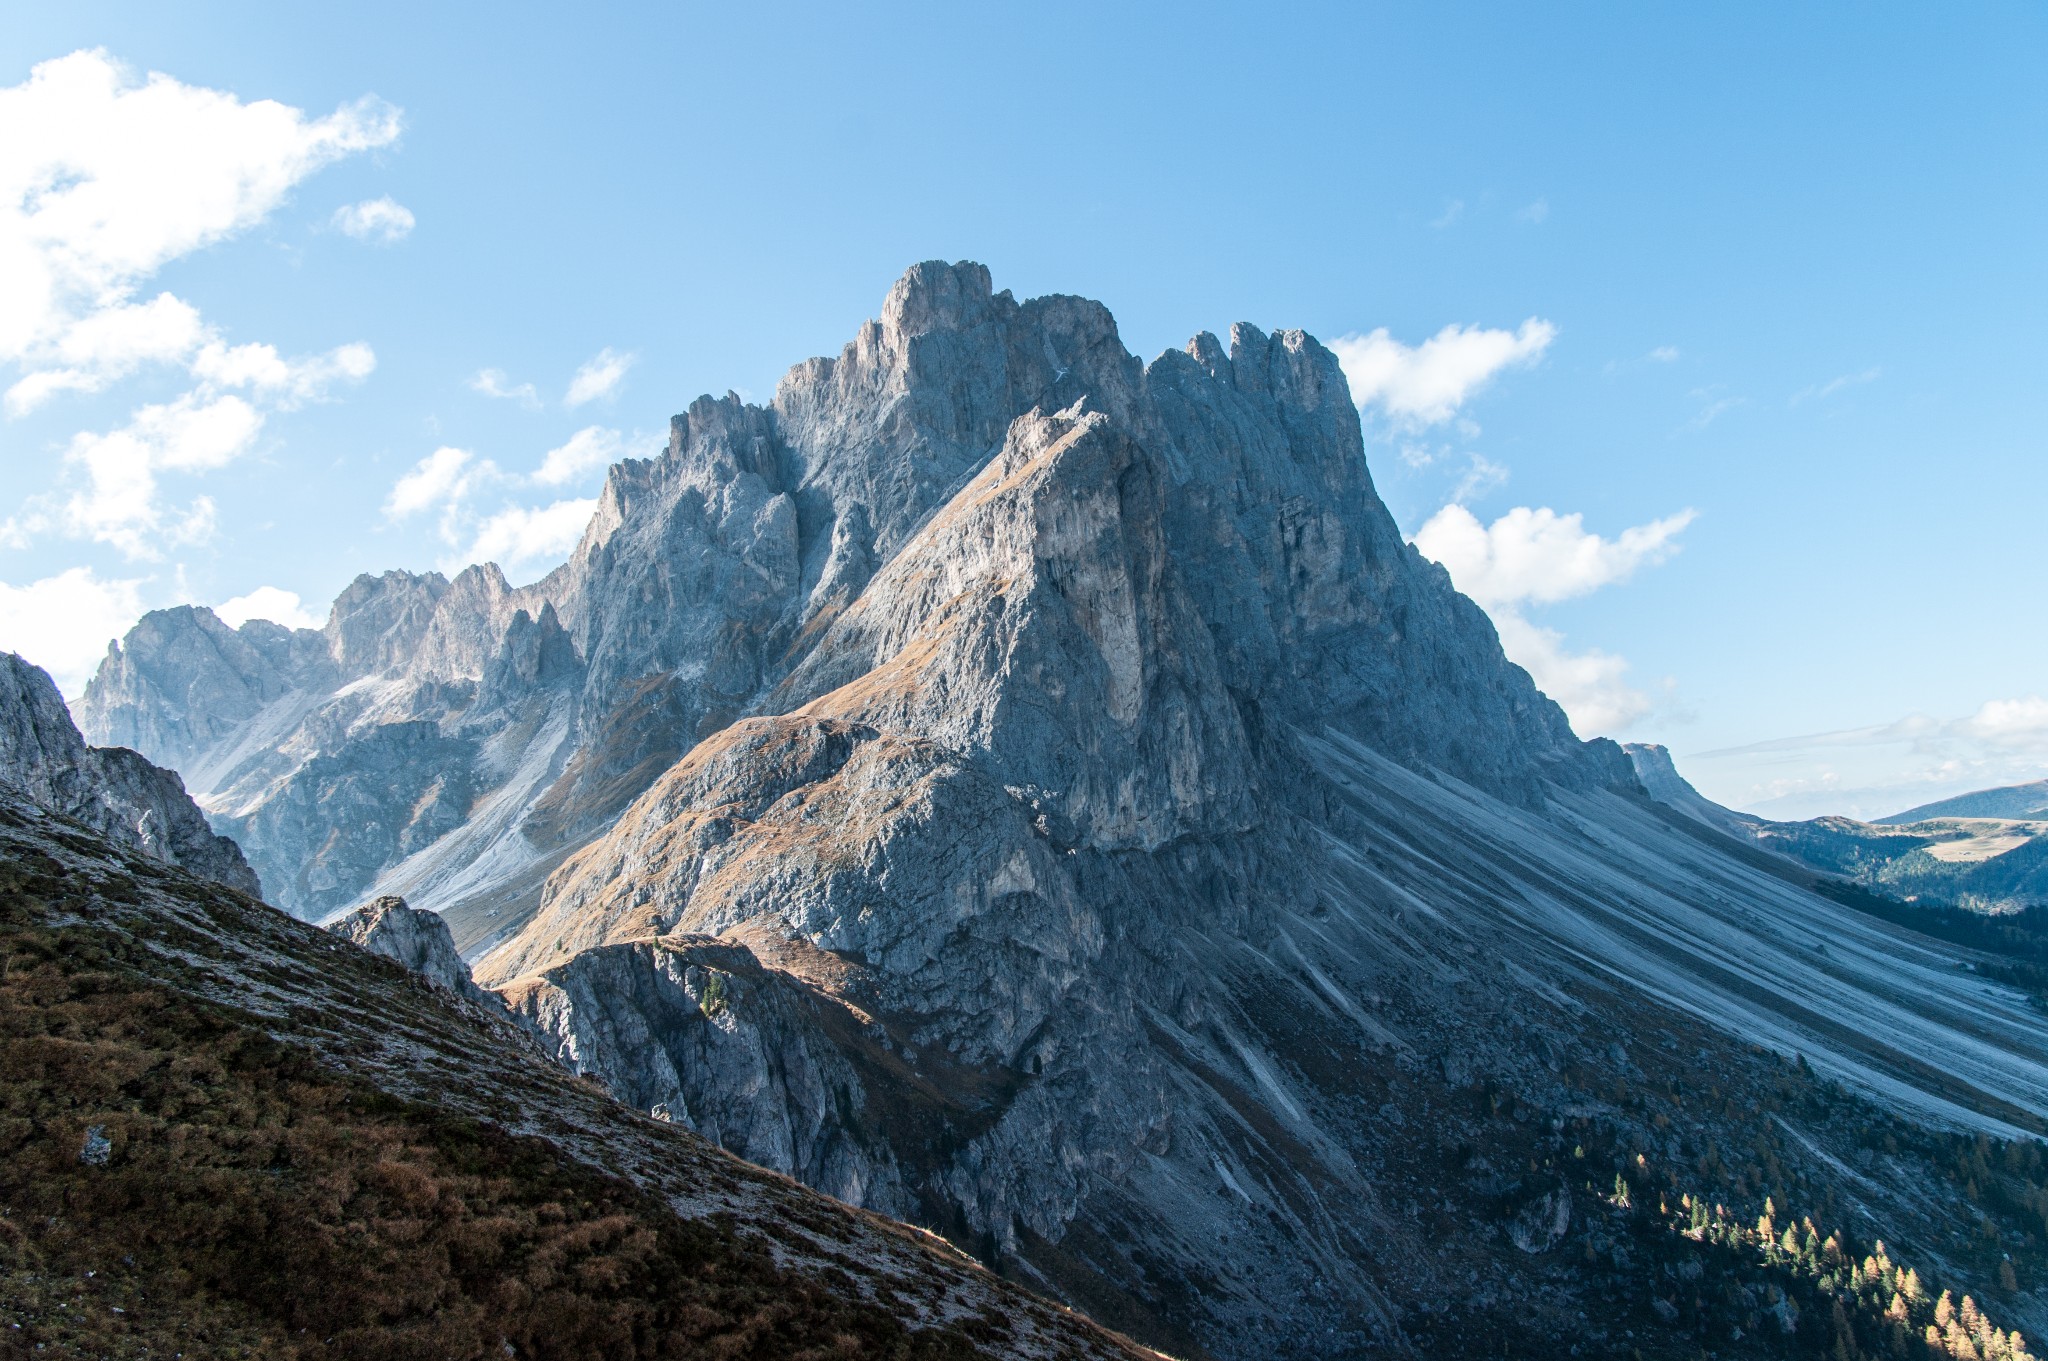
x=225 y=1133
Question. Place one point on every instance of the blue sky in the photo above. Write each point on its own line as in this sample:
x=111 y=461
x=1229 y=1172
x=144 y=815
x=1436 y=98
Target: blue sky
x=1761 y=284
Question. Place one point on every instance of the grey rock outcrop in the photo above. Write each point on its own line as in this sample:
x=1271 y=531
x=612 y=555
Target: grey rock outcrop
x=1041 y=793
x=1661 y=780
x=418 y=940
x=708 y=575
x=113 y=791
x=695 y=1030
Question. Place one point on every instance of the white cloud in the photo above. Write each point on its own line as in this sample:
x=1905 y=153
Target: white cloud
x=2010 y=722
x=288 y=383
x=110 y=344
x=443 y=478
x=104 y=180
x=1588 y=685
x=517 y=537
x=1534 y=213
x=274 y=603
x=494 y=383
x=599 y=378
x=381 y=220
x=1426 y=384
x=1453 y=211
x=1664 y=354
x=118 y=505
x=64 y=623
x=1538 y=557
x=589 y=448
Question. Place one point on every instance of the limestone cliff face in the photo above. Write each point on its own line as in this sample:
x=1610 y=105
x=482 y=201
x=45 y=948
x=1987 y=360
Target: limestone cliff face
x=1040 y=793
x=113 y=791
x=404 y=745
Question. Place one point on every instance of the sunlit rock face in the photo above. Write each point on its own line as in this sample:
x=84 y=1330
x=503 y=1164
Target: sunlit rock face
x=1040 y=794
x=111 y=790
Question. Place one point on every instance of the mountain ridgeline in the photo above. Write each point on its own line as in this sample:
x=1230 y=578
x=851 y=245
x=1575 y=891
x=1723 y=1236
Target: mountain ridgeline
x=1040 y=795
x=709 y=577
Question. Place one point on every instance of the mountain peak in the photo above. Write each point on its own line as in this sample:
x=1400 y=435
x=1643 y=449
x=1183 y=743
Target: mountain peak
x=936 y=296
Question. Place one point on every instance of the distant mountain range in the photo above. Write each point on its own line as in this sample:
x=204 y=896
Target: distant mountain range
x=1039 y=795
x=1986 y=850
x=2028 y=801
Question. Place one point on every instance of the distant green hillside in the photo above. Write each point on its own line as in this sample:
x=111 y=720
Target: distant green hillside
x=2009 y=801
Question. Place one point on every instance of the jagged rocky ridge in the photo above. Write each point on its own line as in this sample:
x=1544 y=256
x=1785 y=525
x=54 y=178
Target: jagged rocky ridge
x=112 y=790
x=1040 y=794
x=446 y=740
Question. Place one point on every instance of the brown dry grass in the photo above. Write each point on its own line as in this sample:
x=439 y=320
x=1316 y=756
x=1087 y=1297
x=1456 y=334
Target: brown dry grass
x=257 y=1203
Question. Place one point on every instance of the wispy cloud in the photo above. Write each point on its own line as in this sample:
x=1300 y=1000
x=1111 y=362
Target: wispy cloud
x=1453 y=212
x=1713 y=406
x=494 y=383
x=1820 y=392
x=1481 y=476
x=1534 y=213
x=1663 y=354
x=381 y=221
x=1426 y=384
x=600 y=377
x=1883 y=768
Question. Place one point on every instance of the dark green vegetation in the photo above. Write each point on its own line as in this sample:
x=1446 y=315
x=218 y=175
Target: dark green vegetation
x=223 y=1134
x=1733 y=1251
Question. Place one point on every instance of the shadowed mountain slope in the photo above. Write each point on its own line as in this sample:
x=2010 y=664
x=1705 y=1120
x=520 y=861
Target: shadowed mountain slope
x=226 y=1133
x=112 y=790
